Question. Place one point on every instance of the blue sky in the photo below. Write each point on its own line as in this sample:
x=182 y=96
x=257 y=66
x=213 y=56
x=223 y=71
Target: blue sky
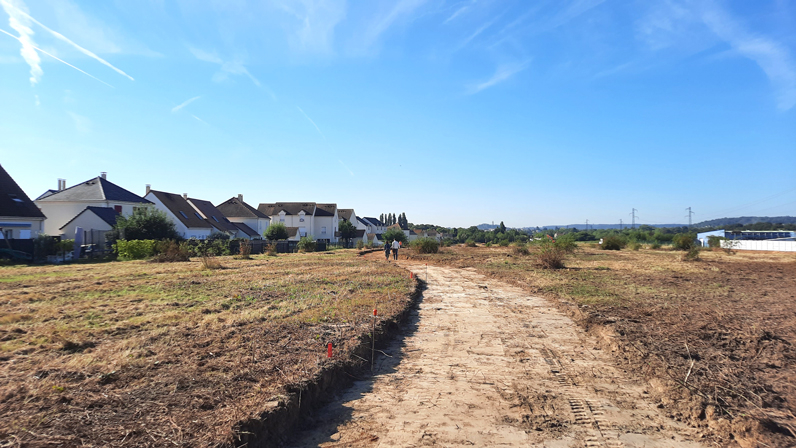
x=454 y=112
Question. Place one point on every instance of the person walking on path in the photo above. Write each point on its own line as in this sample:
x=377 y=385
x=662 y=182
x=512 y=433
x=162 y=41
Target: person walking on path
x=387 y=251
x=395 y=246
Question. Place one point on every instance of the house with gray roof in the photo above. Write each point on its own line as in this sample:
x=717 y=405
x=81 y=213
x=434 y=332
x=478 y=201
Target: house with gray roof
x=216 y=219
x=94 y=222
x=188 y=221
x=320 y=221
x=240 y=212
x=20 y=218
x=65 y=204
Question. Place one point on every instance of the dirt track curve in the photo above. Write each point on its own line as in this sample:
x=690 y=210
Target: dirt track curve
x=484 y=364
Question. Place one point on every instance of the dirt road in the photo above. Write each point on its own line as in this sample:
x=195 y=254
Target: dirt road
x=485 y=364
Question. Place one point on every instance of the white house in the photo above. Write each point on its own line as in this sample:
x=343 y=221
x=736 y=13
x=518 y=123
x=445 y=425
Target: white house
x=62 y=205
x=95 y=222
x=240 y=212
x=319 y=221
x=373 y=225
x=19 y=216
x=189 y=223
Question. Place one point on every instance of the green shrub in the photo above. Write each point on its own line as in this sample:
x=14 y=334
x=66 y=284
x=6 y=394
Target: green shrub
x=503 y=243
x=360 y=244
x=306 y=244
x=692 y=254
x=426 y=245
x=635 y=245
x=43 y=246
x=135 y=249
x=394 y=234
x=276 y=231
x=171 y=251
x=550 y=255
x=714 y=241
x=487 y=244
x=566 y=243
x=655 y=246
x=520 y=249
x=684 y=241
x=470 y=243
x=613 y=242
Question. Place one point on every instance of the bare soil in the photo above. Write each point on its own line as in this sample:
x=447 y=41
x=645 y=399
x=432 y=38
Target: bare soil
x=713 y=338
x=487 y=364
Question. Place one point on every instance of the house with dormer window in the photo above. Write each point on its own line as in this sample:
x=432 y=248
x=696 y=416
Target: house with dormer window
x=319 y=221
x=188 y=221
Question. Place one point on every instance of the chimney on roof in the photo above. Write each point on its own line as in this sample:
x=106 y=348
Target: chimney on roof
x=185 y=196
x=148 y=189
x=240 y=197
x=61 y=184
x=104 y=175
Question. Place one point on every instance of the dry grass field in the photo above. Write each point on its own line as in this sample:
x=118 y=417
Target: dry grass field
x=714 y=337
x=147 y=354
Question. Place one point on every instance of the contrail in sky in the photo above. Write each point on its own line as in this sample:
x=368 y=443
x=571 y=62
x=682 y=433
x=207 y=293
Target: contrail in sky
x=56 y=58
x=67 y=40
x=187 y=102
x=313 y=123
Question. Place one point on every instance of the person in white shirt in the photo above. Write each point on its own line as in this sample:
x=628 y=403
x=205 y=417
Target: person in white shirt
x=395 y=246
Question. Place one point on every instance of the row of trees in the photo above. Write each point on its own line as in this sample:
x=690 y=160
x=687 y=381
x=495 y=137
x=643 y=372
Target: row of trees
x=391 y=219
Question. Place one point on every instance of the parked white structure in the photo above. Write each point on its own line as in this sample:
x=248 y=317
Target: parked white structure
x=319 y=221
x=772 y=245
x=19 y=216
x=240 y=212
x=189 y=223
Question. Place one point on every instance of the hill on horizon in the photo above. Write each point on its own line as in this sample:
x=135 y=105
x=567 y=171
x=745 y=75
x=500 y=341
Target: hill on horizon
x=744 y=220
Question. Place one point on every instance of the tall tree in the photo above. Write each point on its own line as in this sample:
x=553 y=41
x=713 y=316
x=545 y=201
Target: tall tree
x=381 y=217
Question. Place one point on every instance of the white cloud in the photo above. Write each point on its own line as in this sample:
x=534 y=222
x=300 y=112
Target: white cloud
x=67 y=40
x=773 y=57
x=402 y=9
x=480 y=30
x=19 y=21
x=234 y=67
x=185 y=103
x=502 y=73
x=315 y=23
x=459 y=11
x=54 y=57
x=82 y=124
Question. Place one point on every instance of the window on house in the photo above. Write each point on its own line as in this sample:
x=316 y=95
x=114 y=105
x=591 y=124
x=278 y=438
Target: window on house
x=183 y=214
x=118 y=208
x=281 y=219
x=8 y=234
x=301 y=219
x=214 y=218
x=15 y=198
x=302 y=231
x=323 y=229
x=198 y=215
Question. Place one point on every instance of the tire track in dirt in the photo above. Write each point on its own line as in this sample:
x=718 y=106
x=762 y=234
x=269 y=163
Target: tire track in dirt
x=485 y=364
